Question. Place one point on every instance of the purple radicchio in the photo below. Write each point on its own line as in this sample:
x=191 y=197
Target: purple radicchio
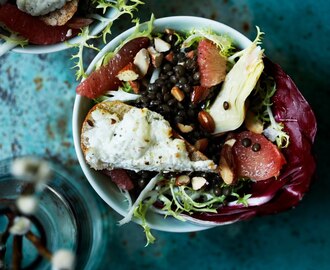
x=275 y=195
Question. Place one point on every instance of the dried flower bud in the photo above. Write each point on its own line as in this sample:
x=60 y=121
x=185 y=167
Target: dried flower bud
x=27 y=204
x=31 y=169
x=21 y=226
x=63 y=259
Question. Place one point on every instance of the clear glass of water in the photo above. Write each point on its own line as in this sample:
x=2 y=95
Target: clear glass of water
x=68 y=217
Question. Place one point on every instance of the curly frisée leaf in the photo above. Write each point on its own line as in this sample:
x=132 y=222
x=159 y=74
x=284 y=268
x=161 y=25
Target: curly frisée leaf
x=140 y=213
x=168 y=208
x=242 y=200
x=141 y=30
x=223 y=42
x=263 y=93
x=257 y=41
x=145 y=193
x=274 y=132
x=80 y=73
x=122 y=6
x=11 y=42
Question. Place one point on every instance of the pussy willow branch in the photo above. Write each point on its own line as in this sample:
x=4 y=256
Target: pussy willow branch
x=5 y=235
x=17 y=252
x=43 y=251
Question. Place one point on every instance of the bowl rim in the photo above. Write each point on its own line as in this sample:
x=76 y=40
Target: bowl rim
x=96 y=28
x=185 y=23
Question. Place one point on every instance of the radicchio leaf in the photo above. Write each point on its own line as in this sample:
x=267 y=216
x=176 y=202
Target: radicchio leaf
x=275 y=195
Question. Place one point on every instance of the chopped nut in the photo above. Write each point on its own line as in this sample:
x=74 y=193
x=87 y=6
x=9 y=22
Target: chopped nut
x=156 y=57
x=201 y=144
x=182 y=180
x=142 y=61
x=161 y=45
x=206 y=121
x=226 y=172
x=226 y=164
x=198 y=182
x=185 y=128
x=177 y=93
x=128 y=73
x=199 y=94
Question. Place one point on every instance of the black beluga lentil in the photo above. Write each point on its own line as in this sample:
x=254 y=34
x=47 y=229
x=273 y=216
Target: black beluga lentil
x=246 y=142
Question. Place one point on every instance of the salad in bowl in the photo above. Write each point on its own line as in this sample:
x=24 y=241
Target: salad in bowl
x=184 y=124
x=37 y=26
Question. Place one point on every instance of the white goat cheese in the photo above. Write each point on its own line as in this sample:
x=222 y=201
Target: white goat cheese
x=40 y=7
x=140 y=141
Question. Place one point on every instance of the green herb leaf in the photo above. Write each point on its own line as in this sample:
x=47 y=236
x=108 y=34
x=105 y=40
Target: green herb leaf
x=275 y=133
x=242 y=200
x=140 y=213
x=122 y=6
x=11 y=42
x=141 y=30
x=80 y=73
x=223 y=42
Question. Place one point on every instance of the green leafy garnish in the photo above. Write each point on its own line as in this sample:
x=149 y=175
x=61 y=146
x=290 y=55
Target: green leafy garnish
x=275 y=132
x=223 y=42
x=127 y=87
x=179 y=200
x=180 y=38
x=168 y=208
x=122 y=6
x=264 y=91
x=242 y=200
x=11 y=42
x=85 y=37
x=140 y=213
x=140 y=30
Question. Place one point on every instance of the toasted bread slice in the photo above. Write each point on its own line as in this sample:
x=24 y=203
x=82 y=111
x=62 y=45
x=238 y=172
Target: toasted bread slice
x=61 y=16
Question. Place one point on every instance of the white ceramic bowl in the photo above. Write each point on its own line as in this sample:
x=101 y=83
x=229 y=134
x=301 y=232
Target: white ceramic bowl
x=107 y=190
x=96 y=28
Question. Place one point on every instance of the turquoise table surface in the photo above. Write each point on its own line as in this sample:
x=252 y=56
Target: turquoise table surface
x=36 y=100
